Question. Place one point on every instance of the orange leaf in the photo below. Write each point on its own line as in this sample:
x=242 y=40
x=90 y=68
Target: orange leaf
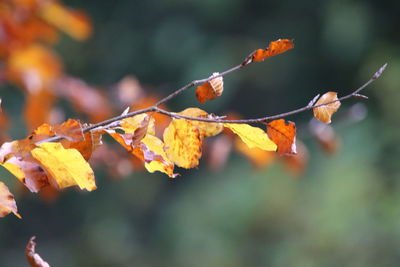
x=258 y=157
x=7 y=202
x=183 y=143
x=33 y=258
x=92 y=140
x=38 y=107
x=325 y=112
x=70 y=130
x=275 y=48
x=206 y=128
x=284 y=136
x=211 y=89
x=74 y=23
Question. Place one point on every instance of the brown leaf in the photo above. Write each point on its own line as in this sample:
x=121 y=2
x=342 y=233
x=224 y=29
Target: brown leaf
x=33 y=258
x=325 y=112
x=7 y=202
x=91 y=141
x=284 y=136
x=70 y=130
x=210 y=90
x=276 y=47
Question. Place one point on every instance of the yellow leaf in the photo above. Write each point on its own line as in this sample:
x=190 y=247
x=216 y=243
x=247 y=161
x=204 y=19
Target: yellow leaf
x=66 y=167
x=162 y=164
x=183 y=143
x=206 y=128
x=7 y=202
x=252 y=136
x=325 y=112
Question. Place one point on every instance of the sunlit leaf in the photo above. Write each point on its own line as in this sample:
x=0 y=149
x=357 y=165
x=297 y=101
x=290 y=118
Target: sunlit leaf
x=276 y=47
x=283 y=133
x=252 y=136
x=325 y=112
x=66 y=167
x=183 y=143
x=206 y=128
x=210 y=90
x=7 y=202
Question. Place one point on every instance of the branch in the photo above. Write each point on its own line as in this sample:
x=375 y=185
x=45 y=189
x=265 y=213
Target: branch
x=354 y=94
x=155 y=108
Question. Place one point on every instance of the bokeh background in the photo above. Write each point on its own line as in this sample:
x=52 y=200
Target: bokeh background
x=343 y=211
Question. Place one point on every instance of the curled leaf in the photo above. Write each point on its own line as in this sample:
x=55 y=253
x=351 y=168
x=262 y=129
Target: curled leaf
x=33 y=258
x=211 y=89
x=252 y=136
x=325 y=112
x=65 y=167
x=206 y=128
x=7 y=202
x=183 y=143
x=283 y=134
x=276 y=47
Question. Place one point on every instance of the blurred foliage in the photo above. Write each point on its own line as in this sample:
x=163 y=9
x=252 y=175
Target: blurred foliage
x=344 y=211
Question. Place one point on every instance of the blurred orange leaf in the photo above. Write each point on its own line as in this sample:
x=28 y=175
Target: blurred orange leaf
x=276 y=47
x=258 y=157
x=65 y=167
x=7 y=202
x=183 y=143
x=284 y=135
x=211 y=89
x=297 y=163
x=325 y=112
x=252 y=136
x=73 y=22
x=33 y=258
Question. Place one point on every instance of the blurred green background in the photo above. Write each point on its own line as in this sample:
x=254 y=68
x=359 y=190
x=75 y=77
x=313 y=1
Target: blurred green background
x=344 y=211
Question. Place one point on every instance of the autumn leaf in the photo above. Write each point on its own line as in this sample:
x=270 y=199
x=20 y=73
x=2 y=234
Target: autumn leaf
x=325 y=112
x=90 y=142
x=7 y=202
x=33 y=258
x=74 y=23
x=65 y=167
x=155 y=157
x=206 y=129
x=283 y=134
x=27 y=172
x=183 y=143
x=276 y=47
x=258 y=157
x=70 y=130
x=252 y=136
x=211 y=89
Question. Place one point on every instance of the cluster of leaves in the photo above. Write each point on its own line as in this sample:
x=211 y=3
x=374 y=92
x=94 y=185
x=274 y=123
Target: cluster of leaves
x=56 y=155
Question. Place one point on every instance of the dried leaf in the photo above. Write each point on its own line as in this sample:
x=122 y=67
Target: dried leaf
x=284 y=136
x=252 y=136
x=275 y=48
x=91 y=141
x=211 y=89
x=325 y=112
x=27 y=172
x=206 y=129
x=70 y=130
x=7 y=202
x=139 y=124
x=33 y=258
x=183 y=143
x=65 y=167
